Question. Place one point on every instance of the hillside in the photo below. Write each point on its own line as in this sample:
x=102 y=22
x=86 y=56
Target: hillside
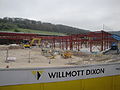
x=23 y=25
x=34 y=31
x=115 y=32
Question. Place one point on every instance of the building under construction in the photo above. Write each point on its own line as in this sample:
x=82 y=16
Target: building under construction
x=100 y=38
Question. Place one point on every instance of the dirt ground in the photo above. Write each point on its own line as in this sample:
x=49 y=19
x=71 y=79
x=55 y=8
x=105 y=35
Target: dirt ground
x=28 y=58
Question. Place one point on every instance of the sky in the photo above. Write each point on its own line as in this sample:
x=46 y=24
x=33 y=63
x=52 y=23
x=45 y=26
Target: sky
x=83 y=14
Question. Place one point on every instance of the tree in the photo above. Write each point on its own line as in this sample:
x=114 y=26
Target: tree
x=16 y=30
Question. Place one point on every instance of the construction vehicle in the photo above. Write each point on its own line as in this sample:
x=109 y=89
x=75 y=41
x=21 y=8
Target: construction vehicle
x=33 y=42
x=25 y=44
x=113 y=49
x=114 y=46
x=66 y=54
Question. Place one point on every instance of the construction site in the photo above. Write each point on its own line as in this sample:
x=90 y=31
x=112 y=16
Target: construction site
x=76 y=62
x=33 y=50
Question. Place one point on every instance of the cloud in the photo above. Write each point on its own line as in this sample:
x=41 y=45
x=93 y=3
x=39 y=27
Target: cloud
x=87 y=14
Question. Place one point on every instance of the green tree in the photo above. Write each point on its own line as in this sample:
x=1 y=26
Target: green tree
x=16 y=30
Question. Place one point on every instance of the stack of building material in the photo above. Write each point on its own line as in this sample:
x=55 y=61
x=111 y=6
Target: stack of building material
x=14 y=46
x=3 y=47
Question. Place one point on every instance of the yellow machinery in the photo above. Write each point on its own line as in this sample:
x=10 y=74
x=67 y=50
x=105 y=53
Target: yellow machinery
x=33 y=42
x=25 y=44
x=67 y=54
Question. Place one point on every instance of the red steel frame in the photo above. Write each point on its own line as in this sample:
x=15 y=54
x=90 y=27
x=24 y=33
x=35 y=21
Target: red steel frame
x=71 y=42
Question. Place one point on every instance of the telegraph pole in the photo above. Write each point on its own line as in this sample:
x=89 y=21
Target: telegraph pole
x=103 y=27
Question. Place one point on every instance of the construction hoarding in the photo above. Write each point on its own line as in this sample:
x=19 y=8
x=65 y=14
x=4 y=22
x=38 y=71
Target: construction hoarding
x=56 y=74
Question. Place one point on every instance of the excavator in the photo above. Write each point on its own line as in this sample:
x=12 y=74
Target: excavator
x=33 y=42
x=25 y=43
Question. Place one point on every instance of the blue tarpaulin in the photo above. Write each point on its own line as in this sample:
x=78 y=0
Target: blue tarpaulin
x=116 y=37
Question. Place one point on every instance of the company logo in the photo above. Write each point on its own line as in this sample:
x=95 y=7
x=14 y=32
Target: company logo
x=76 y=73
x=37 y=74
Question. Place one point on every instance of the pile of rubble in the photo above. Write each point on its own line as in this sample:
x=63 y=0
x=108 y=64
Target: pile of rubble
x=14 y=46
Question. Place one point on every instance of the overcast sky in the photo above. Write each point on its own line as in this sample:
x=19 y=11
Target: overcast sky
x=85 y=14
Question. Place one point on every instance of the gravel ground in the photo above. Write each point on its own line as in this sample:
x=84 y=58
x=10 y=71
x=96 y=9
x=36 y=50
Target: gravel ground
x=23 y=56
